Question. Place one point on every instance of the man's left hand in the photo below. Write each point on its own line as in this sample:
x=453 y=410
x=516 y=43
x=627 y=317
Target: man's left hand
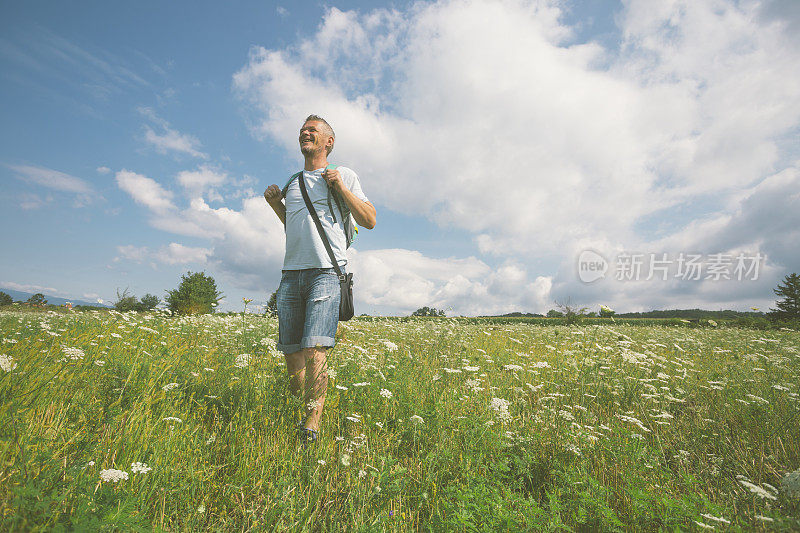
x=334 y=180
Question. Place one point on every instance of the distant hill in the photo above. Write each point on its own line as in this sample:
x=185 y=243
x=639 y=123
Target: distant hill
x=19 y=296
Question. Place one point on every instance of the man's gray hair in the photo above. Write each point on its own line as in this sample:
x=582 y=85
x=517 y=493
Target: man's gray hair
x=328 y=128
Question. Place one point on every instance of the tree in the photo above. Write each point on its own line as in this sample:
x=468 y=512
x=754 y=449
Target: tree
x=197 y=294
x=789 y=306
x=554 y=314
x=126 y=302
x=428 y=311
x=572 y=313
x=38 y=300
x=272 y=304
x=5 y=299
x=149 y=302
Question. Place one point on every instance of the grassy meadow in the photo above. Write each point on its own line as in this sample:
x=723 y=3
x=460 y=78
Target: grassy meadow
x=127 y=422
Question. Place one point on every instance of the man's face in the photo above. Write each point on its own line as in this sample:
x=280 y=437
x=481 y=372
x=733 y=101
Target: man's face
x=313 y=138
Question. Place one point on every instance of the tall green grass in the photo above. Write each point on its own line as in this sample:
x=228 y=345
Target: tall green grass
x=484 y=427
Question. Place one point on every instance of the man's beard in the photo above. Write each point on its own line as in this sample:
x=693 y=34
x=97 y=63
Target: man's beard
x=309 y=150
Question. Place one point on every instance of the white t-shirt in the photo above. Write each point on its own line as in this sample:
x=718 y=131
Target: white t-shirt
x=304 y=248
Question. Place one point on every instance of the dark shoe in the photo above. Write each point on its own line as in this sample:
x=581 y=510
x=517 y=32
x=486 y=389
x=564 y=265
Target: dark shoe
x=308 y=437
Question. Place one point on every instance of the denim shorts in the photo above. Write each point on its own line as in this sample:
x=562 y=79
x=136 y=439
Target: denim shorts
x=308 y=309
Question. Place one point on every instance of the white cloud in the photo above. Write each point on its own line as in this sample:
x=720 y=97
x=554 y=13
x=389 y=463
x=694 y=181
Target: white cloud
x=30 y=201
x=28 y=287
x=487 y=116
x=406 y=280
x=103 y=170
x=145 y=191
x=133 y=253
x=198 y=181
x=175 y=253
x=173 y=141
x=170 y=140
x=52 y=179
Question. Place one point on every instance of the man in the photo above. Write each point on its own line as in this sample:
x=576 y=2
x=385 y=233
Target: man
x=309 y=293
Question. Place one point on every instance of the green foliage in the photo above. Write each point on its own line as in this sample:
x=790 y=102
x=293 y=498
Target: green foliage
x=126 y=302
x=609 y=428
x=788 y=306
x=5 y=299
x=196 y=295
x=37 y=300
x=272 y=305
x=149 y=302
x=572 y=313
x=428 y=311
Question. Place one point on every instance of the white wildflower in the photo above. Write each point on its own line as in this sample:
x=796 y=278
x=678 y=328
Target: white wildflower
x=345 y=460
x=416 y=419
x=390 y=346
x=7 y=363
x=362 y=384
x=574 y=449
x=242 y=361
x=362 y=474
x=704 y=526
x=331 y=373
x=500 y=406
x=474 y=385
x=172 y=419
x=341 y=387
x=313 y=405
x=541 y=364
x=321 y=462
x=715 y=518
x=566 y=415
x=472 y=368
x=211 y=439
x=113 y=475
x=140 y=468
x=513 y=368
x=169 y=386
x=72 y=354
x=758 y=491
x=386 y=393
x=452 y=370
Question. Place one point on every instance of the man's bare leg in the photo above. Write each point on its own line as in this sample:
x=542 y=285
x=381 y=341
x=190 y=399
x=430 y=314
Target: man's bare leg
x=316 y=385
x=296 y=368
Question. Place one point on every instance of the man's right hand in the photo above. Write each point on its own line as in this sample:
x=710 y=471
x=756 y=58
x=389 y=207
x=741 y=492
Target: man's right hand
x=272 y=194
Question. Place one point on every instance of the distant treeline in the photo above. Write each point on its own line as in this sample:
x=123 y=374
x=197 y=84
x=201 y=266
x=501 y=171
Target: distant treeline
x=693 y=314
x=688 y=314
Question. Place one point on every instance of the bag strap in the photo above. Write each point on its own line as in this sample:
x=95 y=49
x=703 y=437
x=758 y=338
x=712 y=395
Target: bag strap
x=320 y=229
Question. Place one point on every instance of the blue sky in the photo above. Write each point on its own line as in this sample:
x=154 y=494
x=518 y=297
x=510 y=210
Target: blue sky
x=498 y=140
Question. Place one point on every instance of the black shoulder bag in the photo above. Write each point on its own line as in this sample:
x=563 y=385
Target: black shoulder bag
x=346 y=310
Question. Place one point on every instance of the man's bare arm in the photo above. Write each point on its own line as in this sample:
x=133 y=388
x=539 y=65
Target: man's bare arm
x=364 y=212
x=273 y=197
